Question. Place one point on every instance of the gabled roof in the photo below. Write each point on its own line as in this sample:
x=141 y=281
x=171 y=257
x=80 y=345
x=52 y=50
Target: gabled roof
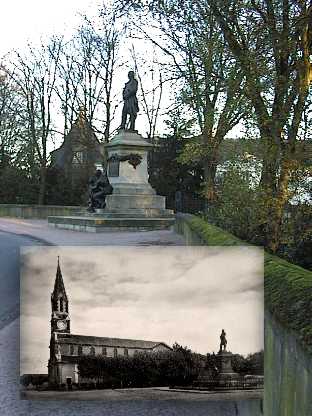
x=80 y=137
x=108 y=342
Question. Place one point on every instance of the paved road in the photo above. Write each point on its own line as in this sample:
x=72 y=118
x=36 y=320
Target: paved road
x=9 y=273
x=40 y=229
x=151 y=393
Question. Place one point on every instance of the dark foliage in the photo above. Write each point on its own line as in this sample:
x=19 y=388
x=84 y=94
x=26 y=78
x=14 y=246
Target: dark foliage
x=177 y=367
x=17 y=187
x=179 y=183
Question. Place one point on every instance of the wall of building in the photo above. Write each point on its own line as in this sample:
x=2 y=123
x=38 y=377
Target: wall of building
x=36 y=211
x=72 y=349
x=288 y=328
x=69 y=370
x=160 y=348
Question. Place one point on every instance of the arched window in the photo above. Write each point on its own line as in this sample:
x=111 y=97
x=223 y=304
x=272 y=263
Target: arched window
x=104 y=351
x=61 y=304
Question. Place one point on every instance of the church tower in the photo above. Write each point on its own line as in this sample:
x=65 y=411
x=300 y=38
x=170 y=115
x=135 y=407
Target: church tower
x=60 y=321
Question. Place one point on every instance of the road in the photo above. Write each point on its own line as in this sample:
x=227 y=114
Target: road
x=9 y=273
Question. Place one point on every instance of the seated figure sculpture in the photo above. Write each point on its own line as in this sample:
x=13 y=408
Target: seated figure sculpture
x=99 y=187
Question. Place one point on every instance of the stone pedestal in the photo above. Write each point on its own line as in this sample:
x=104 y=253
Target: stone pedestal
x=133 y=204
x=226 y=376
x=226 y=379
x=131 y=189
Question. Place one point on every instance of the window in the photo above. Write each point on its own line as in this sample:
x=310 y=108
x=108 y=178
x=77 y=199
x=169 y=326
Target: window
x=61 y=304
x=72 y=349
x=115 y=352
x=80 y=350
x=104 y=351
x=92 y=351
x=126 y=352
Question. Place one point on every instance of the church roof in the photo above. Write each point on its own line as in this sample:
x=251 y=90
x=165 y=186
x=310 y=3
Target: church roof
x=59 y=283
x=107 y=341
x=81 y=136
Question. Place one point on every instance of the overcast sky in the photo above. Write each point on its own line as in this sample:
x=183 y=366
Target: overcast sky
x=23 y=21
x=182 y=294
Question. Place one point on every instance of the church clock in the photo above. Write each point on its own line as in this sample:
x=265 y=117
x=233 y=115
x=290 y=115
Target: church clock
x=61 y=325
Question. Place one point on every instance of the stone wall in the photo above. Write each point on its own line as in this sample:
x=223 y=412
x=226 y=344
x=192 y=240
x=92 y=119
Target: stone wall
x=288 y=372
x=288 y=325
x=36 y=211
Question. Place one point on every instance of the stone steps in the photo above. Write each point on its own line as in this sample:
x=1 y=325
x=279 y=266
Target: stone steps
x=103 y=223
x=130 y=213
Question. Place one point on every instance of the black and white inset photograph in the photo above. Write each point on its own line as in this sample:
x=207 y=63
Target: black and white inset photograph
x=142 y=323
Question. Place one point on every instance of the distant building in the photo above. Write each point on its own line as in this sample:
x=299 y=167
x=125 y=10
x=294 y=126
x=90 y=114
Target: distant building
x=80 y=151
x=67 y=348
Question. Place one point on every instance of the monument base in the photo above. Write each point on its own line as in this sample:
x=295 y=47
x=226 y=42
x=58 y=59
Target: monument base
x=134 y=204
x=226 y=379
x=99 y=224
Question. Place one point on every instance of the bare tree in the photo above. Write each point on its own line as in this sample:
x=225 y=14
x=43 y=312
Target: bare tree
x=86 y=72
x=11 y=118
x=34 y=73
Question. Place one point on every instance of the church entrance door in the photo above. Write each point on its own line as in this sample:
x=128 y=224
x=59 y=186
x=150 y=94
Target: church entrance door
x=69 y=383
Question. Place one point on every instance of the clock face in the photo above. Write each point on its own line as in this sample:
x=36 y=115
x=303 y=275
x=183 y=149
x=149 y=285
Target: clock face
x=61 y=324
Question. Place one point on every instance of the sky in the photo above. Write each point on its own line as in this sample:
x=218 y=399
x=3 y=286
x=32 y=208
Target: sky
x=166 y=294
x=23 y=21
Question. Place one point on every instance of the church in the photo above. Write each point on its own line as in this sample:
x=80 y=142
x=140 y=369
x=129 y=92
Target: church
x=66 y=348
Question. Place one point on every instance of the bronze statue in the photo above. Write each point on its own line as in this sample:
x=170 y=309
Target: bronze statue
x=99 y=187
x=130 y=107
x=223 y=340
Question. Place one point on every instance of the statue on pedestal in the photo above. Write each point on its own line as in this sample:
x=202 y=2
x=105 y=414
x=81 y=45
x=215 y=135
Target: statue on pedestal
x=99 y=187
x=131 y=106
x=223 y=341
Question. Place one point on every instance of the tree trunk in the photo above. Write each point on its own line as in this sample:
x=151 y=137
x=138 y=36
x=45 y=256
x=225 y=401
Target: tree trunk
x=42 y=188
x=278 y=204
x=210 y=168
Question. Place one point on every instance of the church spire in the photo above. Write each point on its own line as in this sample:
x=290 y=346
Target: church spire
x=59 y=288
x=59 y=304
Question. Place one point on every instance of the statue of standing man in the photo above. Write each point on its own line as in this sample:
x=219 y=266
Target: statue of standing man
x=130 y=107
x=223 y=340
